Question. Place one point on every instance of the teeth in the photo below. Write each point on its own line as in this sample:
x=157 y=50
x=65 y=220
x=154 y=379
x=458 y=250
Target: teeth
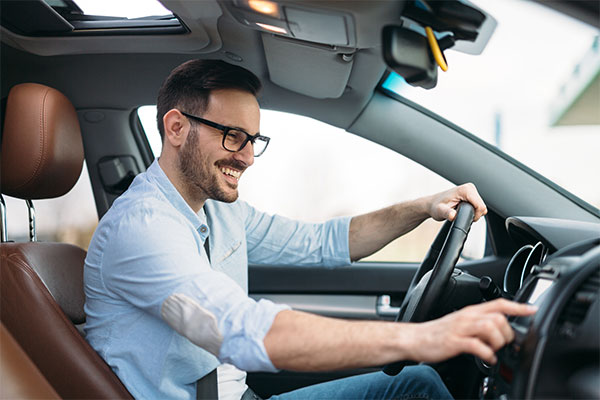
x=231 y=172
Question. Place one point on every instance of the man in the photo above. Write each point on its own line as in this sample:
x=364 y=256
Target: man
x=166 y=271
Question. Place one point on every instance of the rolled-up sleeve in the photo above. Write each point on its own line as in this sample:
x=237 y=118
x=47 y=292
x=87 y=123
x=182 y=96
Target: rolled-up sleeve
x=273 y=239
x=157 y=256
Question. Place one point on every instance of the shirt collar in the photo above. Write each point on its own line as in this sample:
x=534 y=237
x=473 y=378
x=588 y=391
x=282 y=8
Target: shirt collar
x=156 y=173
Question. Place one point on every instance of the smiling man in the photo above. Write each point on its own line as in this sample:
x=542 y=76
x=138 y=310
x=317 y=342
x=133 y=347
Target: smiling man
x=166 y=271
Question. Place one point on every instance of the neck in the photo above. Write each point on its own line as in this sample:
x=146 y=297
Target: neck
x=193 y=198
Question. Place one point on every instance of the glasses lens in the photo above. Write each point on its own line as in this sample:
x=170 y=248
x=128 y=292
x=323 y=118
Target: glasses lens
x=234 y=139
x=260 y=145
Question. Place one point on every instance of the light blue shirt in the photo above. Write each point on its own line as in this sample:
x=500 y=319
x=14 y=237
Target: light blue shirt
x=150 y=245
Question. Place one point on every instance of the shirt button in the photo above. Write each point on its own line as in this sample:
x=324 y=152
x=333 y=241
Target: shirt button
x=203 y=229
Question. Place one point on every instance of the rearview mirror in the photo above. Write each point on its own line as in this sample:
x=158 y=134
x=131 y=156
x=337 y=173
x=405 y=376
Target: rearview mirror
x=407 y=53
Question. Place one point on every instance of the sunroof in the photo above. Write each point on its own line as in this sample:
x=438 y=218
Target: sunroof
x=124 y=9
x=88 y=17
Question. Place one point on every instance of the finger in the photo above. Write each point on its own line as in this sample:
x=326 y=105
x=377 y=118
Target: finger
x=504 y=327
x=491 y=333
x=479 y=212
x=507 y=307
x=479 y=349
x=451 y=214
x=478 y=205
x=472 y=196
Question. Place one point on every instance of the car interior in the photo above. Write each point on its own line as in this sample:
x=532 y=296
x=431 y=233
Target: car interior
x=71 y=85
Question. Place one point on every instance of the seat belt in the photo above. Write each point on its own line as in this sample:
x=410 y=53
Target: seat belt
x=207 y=387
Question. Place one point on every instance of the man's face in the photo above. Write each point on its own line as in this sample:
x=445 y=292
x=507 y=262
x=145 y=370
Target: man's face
x=208 y=170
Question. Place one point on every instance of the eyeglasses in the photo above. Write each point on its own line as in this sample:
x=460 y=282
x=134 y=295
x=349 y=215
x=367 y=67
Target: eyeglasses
x=235 y=139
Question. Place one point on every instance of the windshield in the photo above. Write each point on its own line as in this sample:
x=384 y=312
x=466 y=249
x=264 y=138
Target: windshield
x=533 y=93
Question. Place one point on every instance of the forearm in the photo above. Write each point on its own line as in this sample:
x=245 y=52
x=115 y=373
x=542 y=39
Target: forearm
x=370 y=232
x=304 y=342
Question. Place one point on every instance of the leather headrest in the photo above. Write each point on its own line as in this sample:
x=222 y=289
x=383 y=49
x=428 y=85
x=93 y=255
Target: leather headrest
x=42 y=149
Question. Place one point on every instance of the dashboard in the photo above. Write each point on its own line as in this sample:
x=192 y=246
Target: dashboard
x=556 y=352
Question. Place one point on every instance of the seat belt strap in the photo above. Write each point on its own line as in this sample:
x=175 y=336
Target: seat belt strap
x=207 y=387
x=207 y=249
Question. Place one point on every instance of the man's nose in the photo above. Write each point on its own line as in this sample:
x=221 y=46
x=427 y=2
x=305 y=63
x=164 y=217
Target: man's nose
x=245 y=155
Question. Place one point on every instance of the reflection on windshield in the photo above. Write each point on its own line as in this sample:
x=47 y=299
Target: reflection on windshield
x=507 y=96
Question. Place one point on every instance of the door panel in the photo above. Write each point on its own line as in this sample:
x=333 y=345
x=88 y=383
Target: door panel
x=350 y=292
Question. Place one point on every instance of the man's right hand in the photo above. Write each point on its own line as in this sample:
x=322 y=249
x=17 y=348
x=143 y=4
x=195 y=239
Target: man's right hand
x=305 y=342
x=480 y=330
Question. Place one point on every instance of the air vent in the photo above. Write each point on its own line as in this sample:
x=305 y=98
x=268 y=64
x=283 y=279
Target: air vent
x=578 y=306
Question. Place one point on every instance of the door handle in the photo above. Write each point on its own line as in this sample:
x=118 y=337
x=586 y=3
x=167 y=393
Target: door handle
x=384 y=308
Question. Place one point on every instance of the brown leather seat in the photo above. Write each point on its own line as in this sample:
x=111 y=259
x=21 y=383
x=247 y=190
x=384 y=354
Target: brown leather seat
x=41 y=284
x=19 y=376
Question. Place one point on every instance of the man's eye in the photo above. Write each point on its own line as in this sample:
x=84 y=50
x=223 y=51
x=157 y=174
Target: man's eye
x=236 y=135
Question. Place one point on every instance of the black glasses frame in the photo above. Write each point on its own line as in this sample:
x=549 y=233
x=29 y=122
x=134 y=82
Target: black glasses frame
x=225 y=131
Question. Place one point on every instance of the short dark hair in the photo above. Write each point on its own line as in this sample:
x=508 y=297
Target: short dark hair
x=189 y=85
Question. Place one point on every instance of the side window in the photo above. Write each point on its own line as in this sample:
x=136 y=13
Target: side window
x=147 y=116
x=313 y=171
x=71 y=218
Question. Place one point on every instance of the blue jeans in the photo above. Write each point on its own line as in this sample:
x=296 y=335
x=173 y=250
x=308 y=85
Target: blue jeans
x=416 y=382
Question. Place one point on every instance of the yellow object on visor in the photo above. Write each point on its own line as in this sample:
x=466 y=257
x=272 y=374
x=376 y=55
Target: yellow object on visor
x=435 y=49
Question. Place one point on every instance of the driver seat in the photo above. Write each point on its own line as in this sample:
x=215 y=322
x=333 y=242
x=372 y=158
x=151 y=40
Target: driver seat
x=41 y=284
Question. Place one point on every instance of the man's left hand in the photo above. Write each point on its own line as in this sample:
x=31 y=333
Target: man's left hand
x=443 y=205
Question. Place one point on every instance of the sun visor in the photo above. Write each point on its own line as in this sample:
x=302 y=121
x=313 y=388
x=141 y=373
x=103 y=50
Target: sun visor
x=287 y=60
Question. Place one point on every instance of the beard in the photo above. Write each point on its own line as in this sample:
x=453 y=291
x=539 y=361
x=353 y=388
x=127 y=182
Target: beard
x=200 y=177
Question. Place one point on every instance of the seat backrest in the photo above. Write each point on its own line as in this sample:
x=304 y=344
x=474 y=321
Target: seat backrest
x=19 y=376
x=41 y=284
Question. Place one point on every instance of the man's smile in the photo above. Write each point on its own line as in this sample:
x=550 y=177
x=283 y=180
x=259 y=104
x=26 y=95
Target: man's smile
x=231 y=173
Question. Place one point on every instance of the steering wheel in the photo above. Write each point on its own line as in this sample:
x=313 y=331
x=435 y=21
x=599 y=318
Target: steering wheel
x=430 y=280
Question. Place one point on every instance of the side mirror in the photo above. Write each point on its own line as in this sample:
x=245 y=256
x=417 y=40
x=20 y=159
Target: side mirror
x=407 y=53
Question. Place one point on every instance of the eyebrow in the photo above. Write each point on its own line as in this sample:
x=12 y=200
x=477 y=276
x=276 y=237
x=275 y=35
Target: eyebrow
x=239 y=128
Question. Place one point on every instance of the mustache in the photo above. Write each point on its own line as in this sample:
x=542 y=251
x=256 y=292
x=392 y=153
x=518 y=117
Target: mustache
x=233 y=164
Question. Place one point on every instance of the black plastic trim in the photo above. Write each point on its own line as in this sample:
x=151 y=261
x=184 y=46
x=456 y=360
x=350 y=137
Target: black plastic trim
x=374 y=278
x=125 y=23
x=32 y=18
x=543 y=330
x=554 y=233
x=267 y=384
x=497 y=236
x=111 y=31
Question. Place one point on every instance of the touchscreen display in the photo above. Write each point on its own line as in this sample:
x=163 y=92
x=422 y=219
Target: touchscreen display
x=541 y=286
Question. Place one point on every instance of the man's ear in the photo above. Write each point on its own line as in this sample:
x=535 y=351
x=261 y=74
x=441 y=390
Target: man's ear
x=176 y=127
